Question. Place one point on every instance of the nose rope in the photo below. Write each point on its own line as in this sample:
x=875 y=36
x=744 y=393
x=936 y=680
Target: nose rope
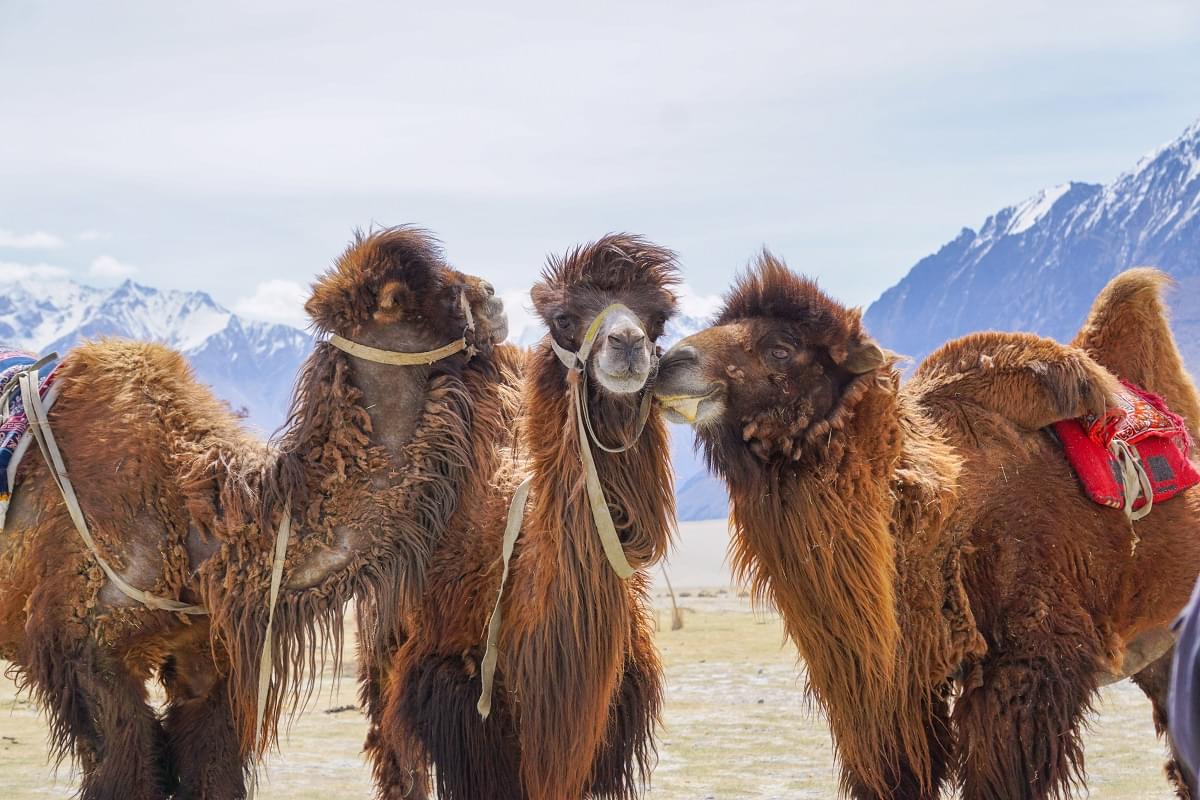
x=577 y=362
x=607 y=530
x=402 y=359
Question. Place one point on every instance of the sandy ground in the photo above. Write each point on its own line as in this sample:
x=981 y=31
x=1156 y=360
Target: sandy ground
x=736 y=721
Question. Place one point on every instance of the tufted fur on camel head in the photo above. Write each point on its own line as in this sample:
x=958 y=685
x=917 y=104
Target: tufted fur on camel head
x=617 y=268
x=779 y=373
x=392 y=288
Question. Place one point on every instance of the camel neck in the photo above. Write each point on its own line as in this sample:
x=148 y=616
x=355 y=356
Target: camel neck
x=365 y=445
x=816 y=543
x=637 y=483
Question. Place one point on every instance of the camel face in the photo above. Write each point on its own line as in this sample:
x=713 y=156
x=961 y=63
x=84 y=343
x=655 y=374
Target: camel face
x=577 y=288
x=621 y=355
x=393 y=289
x=772 y=371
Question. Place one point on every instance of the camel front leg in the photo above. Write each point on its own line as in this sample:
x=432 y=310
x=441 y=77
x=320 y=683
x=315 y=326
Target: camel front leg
x=563 y=699
x=431 y=711
x=1155 y=681
x=905 y=780
x=201 y=736
x=399 y=772
x=626 y=757
x=97 y=710
x=1019 y=732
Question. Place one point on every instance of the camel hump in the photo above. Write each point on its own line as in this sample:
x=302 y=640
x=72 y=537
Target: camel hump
x=1027 y=379
x=1128 y=331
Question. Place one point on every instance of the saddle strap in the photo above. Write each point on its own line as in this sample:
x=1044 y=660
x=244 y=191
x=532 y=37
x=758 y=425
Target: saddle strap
x=39 y=426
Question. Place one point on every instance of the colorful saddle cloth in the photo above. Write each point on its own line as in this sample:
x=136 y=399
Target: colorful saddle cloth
x=1134 y=456
x=13 y=422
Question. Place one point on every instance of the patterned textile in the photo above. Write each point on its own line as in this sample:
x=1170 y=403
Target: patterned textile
x=1140 y=424
x=13 y=424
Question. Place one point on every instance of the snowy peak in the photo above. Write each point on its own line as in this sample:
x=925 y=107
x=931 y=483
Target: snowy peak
x=250 y=364
x=1038 y=265
x=180 y=319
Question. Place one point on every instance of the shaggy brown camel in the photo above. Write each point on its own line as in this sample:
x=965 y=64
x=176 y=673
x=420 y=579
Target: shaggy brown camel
x=183 y=503
x=579 y=681
x=931 y=540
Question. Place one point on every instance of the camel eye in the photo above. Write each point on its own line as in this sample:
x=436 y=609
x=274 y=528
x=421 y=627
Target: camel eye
x=563 y=322
x=780 y=353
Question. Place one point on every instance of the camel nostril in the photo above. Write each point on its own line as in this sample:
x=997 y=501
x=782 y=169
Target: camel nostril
x=488 y=288
x=680 y=355
x=627 y=340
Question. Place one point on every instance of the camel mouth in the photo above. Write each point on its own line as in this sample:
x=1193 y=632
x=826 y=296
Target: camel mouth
x=496 y=319
x=692 y=409
x=629 y=381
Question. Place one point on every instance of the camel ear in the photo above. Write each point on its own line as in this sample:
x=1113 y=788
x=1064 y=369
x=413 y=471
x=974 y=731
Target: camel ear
x=864 y=357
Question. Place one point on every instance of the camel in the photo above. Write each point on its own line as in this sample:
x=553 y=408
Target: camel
x=184 y=503
x=956 y=598
x=579 y=683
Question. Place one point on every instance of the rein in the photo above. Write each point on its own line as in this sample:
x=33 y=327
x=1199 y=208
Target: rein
x=397 y=358
x=39 y=426
x=575 y=362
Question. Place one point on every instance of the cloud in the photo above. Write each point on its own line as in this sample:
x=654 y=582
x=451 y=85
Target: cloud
x=275 y=301
x=38 y=240
x=701 y=307
x=524 y=326
x=11 y=272
x=109 y=268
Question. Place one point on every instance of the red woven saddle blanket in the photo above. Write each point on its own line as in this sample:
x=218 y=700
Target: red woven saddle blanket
x=1135 y=455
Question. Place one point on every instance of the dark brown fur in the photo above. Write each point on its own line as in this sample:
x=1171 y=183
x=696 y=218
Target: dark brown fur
x=579 y=684
x=932 y=536
x=185 y=504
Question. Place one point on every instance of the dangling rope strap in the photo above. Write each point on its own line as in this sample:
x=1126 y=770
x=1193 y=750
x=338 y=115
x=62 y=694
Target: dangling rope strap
x=266 y=659
x=39 y=426
x=399 y=359
x=1135 y=483
x=611 y=542
x=487 y=670
x=577 y=363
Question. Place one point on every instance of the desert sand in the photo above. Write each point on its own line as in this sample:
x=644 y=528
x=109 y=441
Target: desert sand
x=737 y=722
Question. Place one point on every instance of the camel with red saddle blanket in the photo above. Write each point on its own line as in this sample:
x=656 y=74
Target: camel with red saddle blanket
x=956 y=596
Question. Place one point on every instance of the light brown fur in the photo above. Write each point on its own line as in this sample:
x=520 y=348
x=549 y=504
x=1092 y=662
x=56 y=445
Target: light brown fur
x=579 y=682
x=185 y=504
x=930 y=539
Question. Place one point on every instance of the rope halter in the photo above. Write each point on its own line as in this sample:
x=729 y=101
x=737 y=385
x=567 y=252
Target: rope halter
x=574 y=362
x=577 y=362
x=402 y=359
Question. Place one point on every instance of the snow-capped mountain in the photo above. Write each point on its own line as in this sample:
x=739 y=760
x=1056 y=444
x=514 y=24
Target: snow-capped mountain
x=1038 y=265
x=247 y=363
x=252 y=365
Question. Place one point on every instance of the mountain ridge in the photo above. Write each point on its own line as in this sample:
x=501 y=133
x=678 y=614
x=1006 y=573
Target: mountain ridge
x=1037 y=265
x=249 y=364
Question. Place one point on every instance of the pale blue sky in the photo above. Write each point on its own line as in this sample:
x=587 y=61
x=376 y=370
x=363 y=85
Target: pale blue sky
x=203 y=145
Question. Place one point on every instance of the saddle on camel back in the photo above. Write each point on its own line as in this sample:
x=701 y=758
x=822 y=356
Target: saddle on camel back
x=1135 y=455
x=14 y=422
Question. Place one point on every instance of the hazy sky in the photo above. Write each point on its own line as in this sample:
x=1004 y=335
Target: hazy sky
x=233 y=146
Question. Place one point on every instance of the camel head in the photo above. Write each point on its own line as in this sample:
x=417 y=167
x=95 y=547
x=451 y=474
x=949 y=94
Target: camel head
x=774 y=375
x=392 y=289
x=617 y=269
